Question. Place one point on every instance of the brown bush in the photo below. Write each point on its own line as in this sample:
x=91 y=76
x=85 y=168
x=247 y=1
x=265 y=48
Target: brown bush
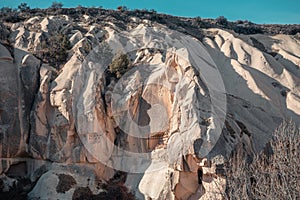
x=272 y=175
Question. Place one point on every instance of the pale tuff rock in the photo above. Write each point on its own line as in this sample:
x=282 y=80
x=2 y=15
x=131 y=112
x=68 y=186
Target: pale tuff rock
x=32 y=21
x=28 y=82
x=62 y=184
x=54 y=23
x=180 y=109
x=75 y=38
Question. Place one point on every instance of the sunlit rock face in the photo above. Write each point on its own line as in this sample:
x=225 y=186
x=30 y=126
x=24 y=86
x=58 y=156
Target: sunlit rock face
x=160 y=131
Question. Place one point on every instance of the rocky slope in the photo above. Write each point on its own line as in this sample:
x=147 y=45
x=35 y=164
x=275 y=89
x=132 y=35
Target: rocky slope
x=69 y=128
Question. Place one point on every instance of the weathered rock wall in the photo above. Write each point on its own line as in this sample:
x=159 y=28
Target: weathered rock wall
x=168 y=123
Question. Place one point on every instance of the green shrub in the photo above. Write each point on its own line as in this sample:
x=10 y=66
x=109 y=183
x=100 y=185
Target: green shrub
x=23 y=7
x=5 y=10
x=59 y=46
x=222 y=20
x=56 y=5
x=54 y=50
x=248 y=29
x=120 y=65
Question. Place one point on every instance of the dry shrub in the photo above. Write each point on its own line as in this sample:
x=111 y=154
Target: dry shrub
x=273 y=175
x=54 y=50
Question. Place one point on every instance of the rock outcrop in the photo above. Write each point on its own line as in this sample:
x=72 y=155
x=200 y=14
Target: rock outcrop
x=161 y=131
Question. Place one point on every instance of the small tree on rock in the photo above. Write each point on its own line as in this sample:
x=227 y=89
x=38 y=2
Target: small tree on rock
x=120 y=65
x=23 y=7
x=6 y=10
x=56 y=5
x=122 y=8
x=222 y=20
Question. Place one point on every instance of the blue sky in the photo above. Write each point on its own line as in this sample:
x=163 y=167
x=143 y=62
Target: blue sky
x=258 y=11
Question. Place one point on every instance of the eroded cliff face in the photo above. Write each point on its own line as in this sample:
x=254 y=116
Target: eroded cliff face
x=162 y=131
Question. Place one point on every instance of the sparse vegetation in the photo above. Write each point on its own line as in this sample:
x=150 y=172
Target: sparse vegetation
x=120 y=65
x=23 y=7
x=122 y=8
x=222 y=20
x=5 y=10
x=56 y=5
x=121 y=17
x=55 y=50
x=59 y=46
x=10 y=15
x=275 y=174
x=246 y=27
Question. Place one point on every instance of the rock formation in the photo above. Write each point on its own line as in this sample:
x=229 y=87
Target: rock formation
x=160 y=131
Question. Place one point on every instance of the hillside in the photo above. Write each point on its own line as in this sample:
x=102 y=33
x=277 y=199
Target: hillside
x=114 y=104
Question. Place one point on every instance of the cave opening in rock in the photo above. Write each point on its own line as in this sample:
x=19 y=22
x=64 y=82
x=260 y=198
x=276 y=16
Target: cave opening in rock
x=200 y=175
x=143 y=117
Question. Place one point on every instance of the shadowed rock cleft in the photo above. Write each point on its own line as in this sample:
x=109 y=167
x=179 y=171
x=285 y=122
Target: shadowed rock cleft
x=66 y=182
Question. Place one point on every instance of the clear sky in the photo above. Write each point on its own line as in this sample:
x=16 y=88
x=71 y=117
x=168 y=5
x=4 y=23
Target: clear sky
x=258 y=11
